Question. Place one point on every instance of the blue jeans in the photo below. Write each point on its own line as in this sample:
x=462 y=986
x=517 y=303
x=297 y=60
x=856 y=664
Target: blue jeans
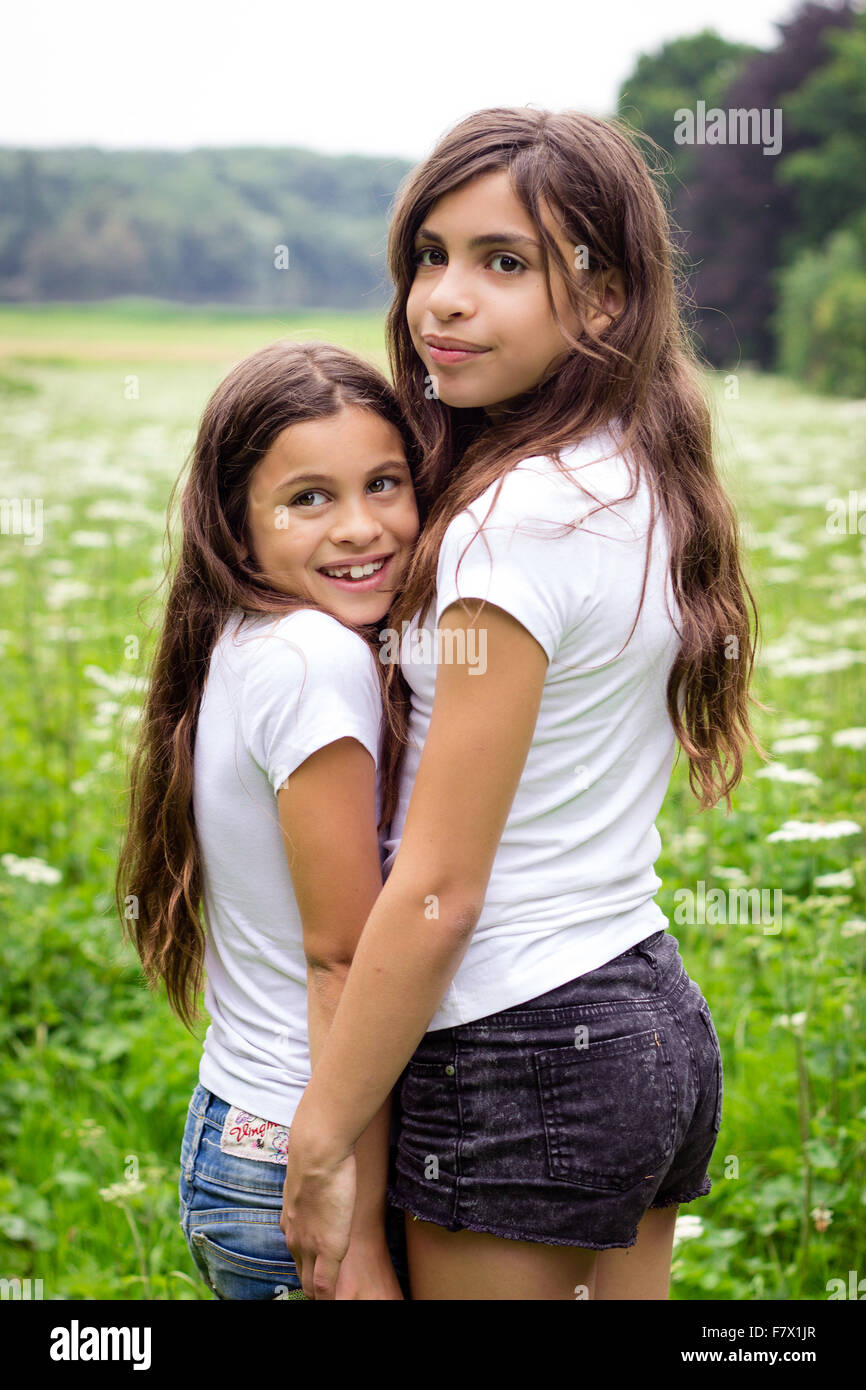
x=230 y=1213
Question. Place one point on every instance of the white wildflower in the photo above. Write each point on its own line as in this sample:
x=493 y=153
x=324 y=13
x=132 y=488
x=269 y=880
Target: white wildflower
x=687 y=1228
x=778 y=772
x=843 y=879
x=814 y=830
x=119 y=1190
x=34 y=870
x=90 y=540
x=108 y=509
x=843 y=562
x=822 y=1216
x=804 y=743
x=839 y=660
x=66 y=591
x=855 y=593
x=850 y=738
x=730 y=873
x=795 y=1022
x=120 y=684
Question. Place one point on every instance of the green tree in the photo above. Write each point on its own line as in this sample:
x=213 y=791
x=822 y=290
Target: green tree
x=679 y=74
x=821 y=319
x=830 y=109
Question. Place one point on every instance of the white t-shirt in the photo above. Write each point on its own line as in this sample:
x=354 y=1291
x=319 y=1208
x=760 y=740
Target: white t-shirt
x=277 y=691
x=572 y=883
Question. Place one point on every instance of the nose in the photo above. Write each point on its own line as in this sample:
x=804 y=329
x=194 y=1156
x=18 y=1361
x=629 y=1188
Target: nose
x=451 y=293
x=355 y=522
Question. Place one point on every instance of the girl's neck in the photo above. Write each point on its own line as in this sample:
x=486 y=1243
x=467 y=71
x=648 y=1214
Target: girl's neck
x=496 y=412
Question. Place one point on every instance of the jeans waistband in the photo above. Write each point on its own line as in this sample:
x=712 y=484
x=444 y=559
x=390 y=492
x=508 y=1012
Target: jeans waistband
x=208 y=1106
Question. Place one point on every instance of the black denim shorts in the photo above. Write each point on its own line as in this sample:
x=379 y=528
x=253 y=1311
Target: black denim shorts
x=564 y=1119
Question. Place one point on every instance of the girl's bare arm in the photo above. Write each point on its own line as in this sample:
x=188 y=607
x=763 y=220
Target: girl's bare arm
x=419 y=929
x=328 y=820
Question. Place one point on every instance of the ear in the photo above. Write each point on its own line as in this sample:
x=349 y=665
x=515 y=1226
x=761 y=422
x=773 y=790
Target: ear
x=612 y=300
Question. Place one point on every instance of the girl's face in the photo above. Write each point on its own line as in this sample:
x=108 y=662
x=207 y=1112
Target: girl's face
x=332 y=494
x=479 y=280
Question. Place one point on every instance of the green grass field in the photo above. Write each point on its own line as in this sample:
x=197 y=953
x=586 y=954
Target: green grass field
x=99 y=410
x=144 y=330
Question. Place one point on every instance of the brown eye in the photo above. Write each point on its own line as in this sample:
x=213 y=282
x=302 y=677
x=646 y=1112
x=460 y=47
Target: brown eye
x=432 y=250
x=311 y=493
x=504 y=256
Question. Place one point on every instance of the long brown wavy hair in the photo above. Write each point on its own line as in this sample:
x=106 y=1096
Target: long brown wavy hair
x=641 y=371
x=159 y=865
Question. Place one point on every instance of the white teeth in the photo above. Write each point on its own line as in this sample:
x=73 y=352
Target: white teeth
x=356 y=571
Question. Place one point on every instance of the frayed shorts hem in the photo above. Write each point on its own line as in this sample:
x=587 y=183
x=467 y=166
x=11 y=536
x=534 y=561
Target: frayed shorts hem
x=535 y=1237
x=702 y=1191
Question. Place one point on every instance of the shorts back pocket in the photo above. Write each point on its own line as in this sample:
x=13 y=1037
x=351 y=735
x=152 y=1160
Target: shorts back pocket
x=609 y=1109
x=242 y=1253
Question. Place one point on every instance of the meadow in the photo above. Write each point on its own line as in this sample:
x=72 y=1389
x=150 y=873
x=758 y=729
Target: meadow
x=98 y=411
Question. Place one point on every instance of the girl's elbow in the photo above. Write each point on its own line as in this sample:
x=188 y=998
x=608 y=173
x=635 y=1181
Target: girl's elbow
x=464 y=918
x=457 y=910
x=334 y=960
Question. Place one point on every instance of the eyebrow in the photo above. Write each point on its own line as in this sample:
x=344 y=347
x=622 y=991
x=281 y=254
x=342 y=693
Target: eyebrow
x=488 y=239
x=326 y=478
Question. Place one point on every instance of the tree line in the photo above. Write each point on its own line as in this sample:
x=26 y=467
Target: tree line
x=758 y=153
x=282 y=228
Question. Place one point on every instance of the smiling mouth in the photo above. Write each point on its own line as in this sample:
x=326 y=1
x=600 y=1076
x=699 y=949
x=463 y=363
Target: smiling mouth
x=362 y=578
x=354 y=571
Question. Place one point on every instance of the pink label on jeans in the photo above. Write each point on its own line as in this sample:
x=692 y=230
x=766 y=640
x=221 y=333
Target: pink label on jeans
x=247 y=1136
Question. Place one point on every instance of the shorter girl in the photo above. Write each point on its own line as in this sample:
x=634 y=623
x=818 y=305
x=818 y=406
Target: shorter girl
x=254 y=791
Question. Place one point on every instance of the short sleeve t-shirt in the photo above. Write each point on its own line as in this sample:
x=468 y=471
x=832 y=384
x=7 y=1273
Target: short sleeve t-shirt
x=572 y=884
x=278 y=690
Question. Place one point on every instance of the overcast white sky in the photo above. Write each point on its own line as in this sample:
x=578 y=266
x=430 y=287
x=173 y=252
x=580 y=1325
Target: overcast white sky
x=383 y=77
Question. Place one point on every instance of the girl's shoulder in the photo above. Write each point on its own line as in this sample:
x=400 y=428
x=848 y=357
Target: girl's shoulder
x=593 y=470
x=303 y=642
x=299 y=681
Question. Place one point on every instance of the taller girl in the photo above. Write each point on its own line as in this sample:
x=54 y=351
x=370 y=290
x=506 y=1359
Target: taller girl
x=564 y=1083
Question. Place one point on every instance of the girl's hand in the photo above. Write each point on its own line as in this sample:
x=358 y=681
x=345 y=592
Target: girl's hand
x=318 y=1204
x=367 y=1272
